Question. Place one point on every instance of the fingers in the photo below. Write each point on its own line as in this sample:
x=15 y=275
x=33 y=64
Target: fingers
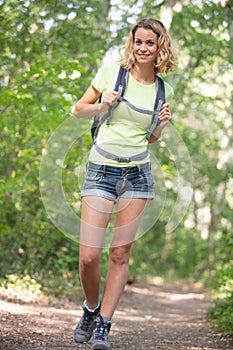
x=111 y=97
x=165 y=113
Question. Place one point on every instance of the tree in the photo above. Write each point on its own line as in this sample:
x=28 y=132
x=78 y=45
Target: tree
x=49 y=50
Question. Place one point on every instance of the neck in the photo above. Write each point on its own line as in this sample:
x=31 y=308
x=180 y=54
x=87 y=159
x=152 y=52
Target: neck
x=145 y=75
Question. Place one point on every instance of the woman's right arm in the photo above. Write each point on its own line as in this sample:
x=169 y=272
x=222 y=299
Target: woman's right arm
x=87 y=107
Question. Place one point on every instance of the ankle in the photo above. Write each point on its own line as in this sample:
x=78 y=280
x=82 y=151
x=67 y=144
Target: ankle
x=97 y=307
x=106 y=319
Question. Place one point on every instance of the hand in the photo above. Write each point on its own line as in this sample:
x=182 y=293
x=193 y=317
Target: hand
x=110 y=97
x=165 y=114
x=165 y=117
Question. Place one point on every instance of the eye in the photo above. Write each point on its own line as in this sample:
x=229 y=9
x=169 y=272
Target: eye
x=138 y=42
x=150 y=43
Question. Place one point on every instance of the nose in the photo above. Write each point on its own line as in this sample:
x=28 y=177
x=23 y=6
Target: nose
x=143 y=47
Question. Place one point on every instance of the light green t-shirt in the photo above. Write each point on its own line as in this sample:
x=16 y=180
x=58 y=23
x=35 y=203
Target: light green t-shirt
x=126 y=134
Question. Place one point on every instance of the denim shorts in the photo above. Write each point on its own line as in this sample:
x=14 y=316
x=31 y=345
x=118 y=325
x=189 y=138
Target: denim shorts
x=113 y=182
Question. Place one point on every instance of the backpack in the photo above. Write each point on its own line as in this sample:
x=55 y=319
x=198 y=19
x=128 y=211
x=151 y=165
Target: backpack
x=120 y=86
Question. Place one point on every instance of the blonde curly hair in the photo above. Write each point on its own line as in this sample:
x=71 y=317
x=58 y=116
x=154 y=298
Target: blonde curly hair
x=165 y=61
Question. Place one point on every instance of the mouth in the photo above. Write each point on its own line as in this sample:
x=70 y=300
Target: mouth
x=143 y=55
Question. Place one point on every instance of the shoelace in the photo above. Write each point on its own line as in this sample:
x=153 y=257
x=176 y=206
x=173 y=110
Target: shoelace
x=86 y=322
x=101 y=331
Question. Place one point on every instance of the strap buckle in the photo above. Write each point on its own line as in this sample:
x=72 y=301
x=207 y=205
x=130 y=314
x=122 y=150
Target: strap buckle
x=123 y=160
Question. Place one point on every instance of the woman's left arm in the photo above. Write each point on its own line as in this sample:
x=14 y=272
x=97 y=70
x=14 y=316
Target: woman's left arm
x=165 y=117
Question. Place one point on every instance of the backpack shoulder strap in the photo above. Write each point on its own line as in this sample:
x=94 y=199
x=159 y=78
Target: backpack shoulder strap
x=120 y=86
x=121 y=81
x=160 y=93
x=160 y=99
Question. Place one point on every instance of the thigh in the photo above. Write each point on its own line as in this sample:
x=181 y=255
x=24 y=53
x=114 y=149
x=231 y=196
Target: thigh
x=96 y=214
x=128 y=217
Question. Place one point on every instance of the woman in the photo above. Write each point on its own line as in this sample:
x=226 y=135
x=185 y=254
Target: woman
x=113 y=181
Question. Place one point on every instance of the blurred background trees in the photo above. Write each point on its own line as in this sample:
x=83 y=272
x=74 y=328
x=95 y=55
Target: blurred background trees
x=50 y=51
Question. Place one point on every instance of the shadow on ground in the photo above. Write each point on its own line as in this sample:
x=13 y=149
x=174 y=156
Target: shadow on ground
x=157 y=317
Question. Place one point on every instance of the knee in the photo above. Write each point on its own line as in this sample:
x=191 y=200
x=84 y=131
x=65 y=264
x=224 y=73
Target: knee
x=88 y=259
x=120 y=255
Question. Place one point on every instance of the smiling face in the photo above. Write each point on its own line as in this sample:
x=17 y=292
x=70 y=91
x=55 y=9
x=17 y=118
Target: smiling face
x=145 y=46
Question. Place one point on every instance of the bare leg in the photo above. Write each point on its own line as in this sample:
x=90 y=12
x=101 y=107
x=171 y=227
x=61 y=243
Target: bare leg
x=127 y=222
x=96 y=213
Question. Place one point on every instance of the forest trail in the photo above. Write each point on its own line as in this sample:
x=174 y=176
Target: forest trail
x=160 y=317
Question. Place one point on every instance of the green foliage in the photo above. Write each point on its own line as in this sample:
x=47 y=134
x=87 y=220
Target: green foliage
x=46 y=63
x=221 y=315
x=15 y=286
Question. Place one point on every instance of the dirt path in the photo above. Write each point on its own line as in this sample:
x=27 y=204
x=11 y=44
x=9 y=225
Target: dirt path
x=148 y=317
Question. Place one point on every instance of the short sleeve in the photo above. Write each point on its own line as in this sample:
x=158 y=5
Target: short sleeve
x=169 y=92
x=105 y=78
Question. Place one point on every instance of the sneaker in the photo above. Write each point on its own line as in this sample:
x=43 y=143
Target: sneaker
x=100 y=334
x=84 y=329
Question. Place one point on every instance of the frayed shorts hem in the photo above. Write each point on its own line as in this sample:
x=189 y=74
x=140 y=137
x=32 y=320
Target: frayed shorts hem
x=112 y=197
